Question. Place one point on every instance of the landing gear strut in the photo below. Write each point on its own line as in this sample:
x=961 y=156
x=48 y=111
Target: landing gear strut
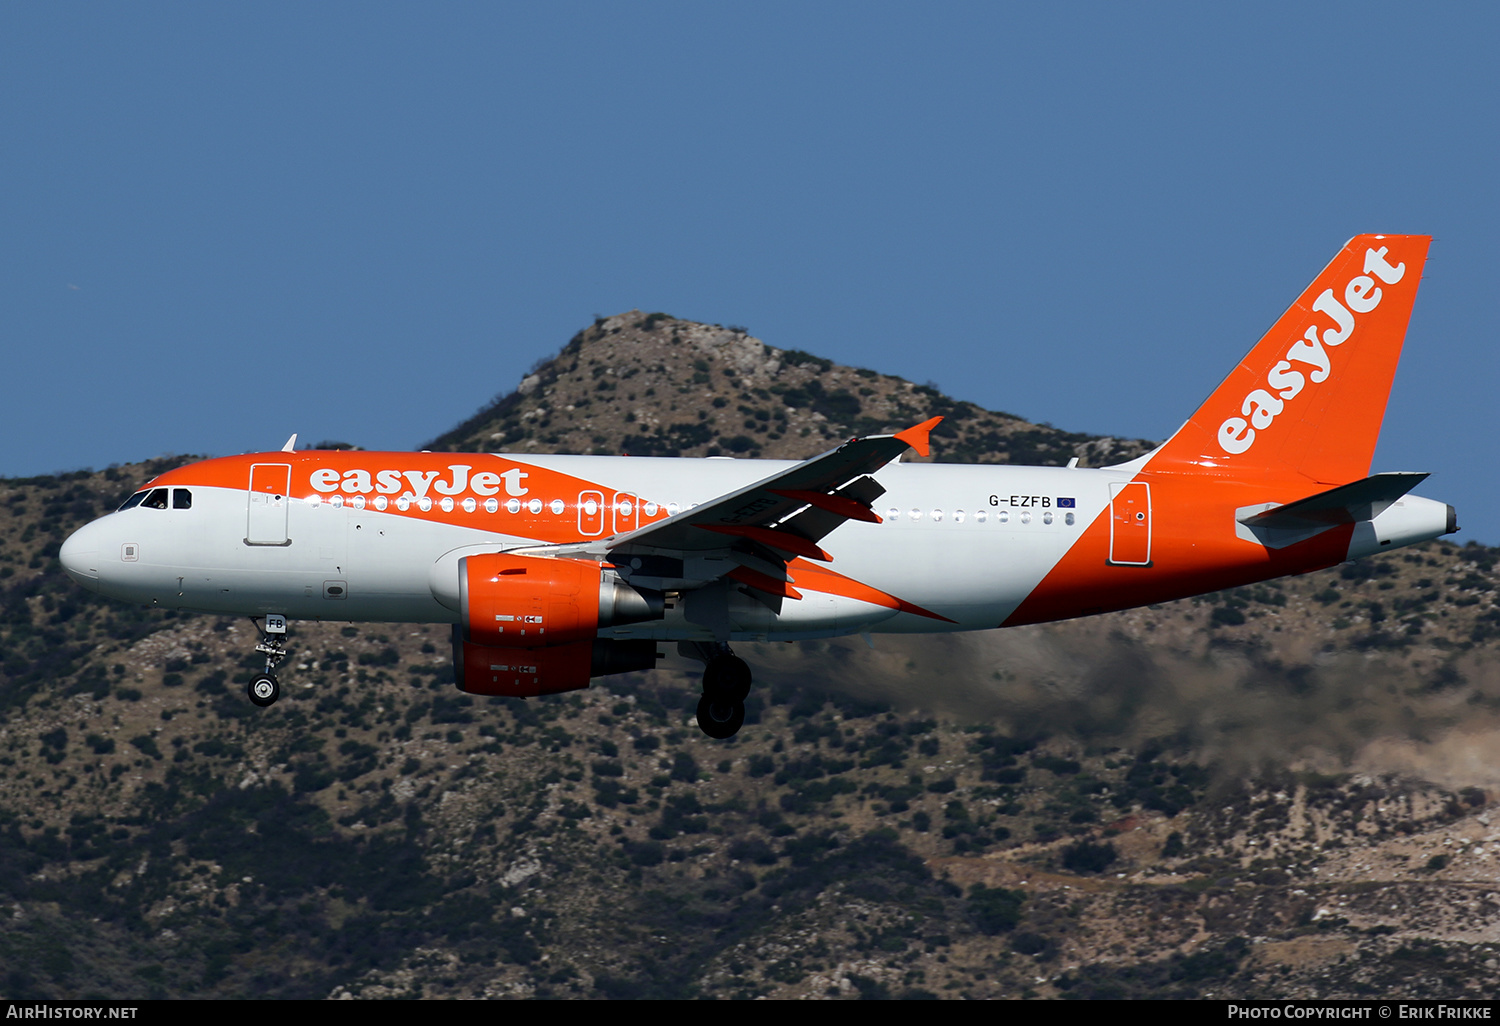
x=264 y=690
x=726 y=682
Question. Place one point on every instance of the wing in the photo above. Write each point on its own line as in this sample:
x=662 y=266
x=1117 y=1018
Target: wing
x=791 y=511
x=750 y=535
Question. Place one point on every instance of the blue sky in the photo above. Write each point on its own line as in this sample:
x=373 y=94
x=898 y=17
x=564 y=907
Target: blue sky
x=220 y=224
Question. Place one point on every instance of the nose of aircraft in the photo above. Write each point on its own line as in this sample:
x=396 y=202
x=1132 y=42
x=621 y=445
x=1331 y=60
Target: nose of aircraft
x=79 y=555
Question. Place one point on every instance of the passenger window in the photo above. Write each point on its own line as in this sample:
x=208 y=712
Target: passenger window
x=133 y=501
x=182 y=498
x=156 y=500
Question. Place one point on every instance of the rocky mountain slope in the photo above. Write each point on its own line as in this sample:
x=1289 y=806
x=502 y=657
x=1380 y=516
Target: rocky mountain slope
x=652 y=385
x=1283 y=791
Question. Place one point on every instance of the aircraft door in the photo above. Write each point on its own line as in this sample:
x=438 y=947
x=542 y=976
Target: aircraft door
x=1130 y=524
x=590 y=513
x=268 y=503
x=627 y=511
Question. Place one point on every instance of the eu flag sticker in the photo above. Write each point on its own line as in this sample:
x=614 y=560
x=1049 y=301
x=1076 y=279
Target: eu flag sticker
x=1065 y=504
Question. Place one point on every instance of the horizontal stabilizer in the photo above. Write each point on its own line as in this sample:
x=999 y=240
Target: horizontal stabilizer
x=1346 y=504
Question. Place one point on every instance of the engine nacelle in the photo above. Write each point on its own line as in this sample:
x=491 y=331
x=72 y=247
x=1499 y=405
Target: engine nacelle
x=528 y=672
x=530 y=602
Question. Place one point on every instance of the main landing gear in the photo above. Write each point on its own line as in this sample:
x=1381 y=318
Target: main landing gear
x=263 y=689
x=726 y=682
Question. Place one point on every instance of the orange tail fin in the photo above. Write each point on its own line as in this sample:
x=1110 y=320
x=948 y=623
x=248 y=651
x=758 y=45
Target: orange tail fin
x=1309 y=398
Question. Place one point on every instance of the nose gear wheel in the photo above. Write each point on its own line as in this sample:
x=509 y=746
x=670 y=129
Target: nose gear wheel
x=264 y=690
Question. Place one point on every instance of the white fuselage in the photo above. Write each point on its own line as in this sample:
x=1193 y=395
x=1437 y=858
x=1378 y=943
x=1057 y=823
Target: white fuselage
x=966 y=541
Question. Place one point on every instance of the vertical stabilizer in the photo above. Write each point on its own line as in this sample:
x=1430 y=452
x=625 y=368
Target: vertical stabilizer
x=1309 y=398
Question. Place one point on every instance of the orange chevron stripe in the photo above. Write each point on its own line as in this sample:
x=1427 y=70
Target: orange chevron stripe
x=821 y=579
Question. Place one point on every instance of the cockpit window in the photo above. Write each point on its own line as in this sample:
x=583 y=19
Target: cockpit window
x=157 y=498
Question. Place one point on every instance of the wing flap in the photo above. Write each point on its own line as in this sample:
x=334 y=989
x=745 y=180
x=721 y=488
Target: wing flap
x=835 y=503
x=764 y=582
x=781 y=541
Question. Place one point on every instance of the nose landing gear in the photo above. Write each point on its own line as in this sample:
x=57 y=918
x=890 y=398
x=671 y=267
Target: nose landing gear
x=726 y=683
x=264 y=690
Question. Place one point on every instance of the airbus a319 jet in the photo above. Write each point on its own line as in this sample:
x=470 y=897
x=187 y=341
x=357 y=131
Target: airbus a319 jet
x=553 y=570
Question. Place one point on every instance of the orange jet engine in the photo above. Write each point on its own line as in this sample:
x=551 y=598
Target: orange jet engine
x=529 y=625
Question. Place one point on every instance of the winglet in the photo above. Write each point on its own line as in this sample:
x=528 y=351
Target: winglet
x=916 y=437
x=291 y=444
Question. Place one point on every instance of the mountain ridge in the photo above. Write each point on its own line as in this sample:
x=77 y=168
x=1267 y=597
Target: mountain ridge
x=661 y=386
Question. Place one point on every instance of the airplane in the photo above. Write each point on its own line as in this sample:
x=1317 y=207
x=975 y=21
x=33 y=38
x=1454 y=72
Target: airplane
x=556 y=569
